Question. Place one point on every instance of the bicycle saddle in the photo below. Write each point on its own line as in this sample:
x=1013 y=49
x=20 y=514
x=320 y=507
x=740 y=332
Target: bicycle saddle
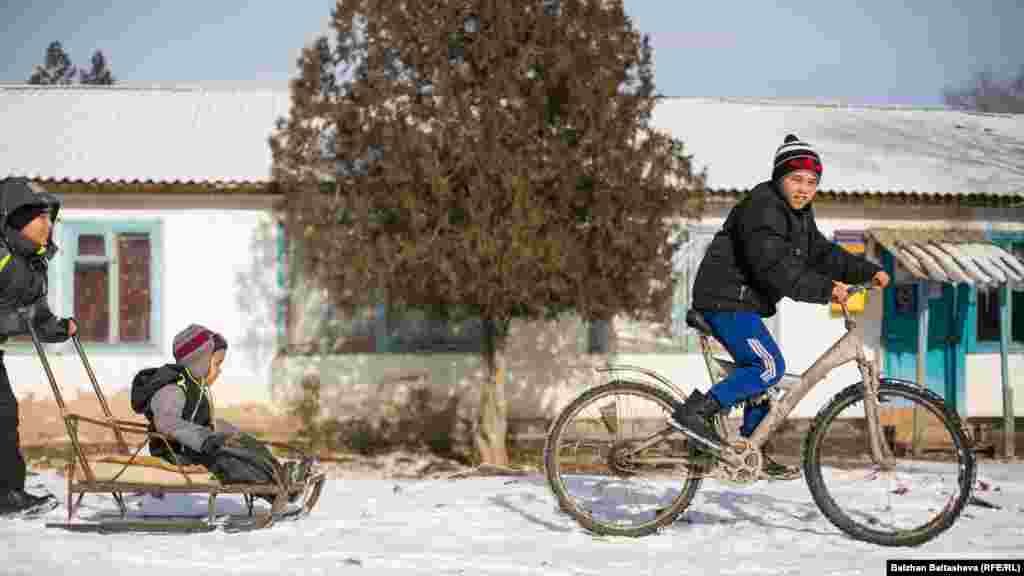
x=695 y=320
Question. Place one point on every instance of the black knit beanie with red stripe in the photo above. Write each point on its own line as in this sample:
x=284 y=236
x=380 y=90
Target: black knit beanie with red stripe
x=793 y=155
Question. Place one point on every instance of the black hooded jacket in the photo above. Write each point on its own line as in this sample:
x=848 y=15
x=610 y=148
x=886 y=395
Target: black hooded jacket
x=197 y=409
x=23 y=280
x=765 y=251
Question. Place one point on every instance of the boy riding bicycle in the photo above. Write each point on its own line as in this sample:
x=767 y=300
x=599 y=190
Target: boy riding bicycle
x=768 y=248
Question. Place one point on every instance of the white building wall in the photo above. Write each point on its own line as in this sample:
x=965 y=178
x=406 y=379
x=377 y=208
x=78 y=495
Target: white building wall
x=204 y=251
x=543 y=379
x=985 y=385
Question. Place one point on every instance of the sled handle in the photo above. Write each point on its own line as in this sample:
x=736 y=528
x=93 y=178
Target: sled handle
x=24 y=313
x=99 y=393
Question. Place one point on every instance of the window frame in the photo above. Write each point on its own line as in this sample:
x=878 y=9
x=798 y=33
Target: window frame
x=974 y=346
x=62 y=275
x=685 y=340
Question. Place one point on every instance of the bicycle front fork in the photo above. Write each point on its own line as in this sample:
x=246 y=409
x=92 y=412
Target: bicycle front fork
x=880 y=451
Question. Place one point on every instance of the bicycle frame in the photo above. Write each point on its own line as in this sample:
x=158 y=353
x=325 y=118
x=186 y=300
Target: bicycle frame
x=849 y=348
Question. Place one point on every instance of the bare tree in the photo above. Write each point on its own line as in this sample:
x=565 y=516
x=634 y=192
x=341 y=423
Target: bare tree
x=484 y=159
x=985 y=93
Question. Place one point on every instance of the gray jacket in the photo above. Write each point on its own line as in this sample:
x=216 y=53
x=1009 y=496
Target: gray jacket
x=168 y=405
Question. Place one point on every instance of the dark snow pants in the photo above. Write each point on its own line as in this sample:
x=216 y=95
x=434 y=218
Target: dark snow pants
x=12 y=464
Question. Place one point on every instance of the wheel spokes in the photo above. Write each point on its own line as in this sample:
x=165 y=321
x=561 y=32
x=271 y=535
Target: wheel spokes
x=912 y=498
x=618 y=462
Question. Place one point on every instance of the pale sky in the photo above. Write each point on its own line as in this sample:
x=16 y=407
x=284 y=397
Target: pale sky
x=864 y=51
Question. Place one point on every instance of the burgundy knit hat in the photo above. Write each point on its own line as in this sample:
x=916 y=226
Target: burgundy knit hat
x=194 y=346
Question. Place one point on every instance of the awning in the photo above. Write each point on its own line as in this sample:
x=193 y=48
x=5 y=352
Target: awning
x=951 y=256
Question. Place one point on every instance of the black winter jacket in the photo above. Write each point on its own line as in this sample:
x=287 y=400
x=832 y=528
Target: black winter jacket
x=197 y=409
x=23 y=280
x=766 y=251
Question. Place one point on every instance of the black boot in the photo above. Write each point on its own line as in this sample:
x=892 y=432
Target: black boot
x=297 y=472
x=695 y=415
x=17 y=502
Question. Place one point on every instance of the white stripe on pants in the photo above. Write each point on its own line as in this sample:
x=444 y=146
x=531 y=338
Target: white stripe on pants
x=769 y=362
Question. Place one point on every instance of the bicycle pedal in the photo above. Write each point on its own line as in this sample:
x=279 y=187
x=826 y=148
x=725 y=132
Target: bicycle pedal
x=608 y=416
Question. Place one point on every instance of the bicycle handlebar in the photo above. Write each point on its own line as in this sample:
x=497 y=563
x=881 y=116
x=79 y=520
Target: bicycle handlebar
x=850 y=291
x=856 y=288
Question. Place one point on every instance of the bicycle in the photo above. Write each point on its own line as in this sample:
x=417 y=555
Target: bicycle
x=670 y=459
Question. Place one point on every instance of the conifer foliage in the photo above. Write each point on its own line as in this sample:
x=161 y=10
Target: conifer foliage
x=485 y=159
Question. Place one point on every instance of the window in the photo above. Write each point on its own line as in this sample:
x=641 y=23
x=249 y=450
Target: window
x=632 y=336
x=109 y=280
x=378 y=330
x=413 y=331
x=988 y=306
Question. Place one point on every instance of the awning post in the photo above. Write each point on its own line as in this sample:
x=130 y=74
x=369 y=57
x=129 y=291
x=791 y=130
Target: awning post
x=1009 y=437
x=922 y=357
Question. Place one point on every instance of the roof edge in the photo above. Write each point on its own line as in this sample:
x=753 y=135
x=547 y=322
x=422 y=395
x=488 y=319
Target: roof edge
x=834 y=104
x=833 y=193
x=194 y=87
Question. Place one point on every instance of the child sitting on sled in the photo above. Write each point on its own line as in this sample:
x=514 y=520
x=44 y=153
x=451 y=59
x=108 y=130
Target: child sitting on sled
x=176 y=400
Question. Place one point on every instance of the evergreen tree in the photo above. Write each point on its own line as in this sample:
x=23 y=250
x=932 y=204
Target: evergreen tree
x=99 y=72
x=57 y=68
x=987 y=94
x=485 y=159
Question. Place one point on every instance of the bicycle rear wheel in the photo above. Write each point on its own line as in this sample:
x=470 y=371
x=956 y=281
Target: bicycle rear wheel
x=912 y=503
x=597 y=478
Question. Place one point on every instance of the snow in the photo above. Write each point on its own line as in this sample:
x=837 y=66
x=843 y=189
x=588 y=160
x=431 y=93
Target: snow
x=505 y=525
x=94 y=134
x=884 y=149
x=85 y=133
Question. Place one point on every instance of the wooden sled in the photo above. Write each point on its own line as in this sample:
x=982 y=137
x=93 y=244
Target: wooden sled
x=127 y=471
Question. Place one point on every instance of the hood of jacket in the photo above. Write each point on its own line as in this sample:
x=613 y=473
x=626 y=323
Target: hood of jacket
x=148 y=381
x=16 y=193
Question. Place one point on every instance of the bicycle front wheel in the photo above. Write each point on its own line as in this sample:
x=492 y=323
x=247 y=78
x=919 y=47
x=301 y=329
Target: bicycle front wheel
x=613 y=463
x=908 y=504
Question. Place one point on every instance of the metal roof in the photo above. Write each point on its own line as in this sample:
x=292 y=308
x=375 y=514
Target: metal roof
x=864 y=149
x=126 y=133
x=951 y=256
x=138 y=134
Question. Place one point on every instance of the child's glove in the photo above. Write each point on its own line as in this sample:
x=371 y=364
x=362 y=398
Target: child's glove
x=214 y=443
x=68 y=327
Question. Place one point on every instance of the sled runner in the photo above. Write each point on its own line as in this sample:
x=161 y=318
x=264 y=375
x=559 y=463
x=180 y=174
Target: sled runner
x=293 y=492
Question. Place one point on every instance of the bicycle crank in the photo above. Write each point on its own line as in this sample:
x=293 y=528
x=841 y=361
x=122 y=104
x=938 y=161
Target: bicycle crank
x=742 y=466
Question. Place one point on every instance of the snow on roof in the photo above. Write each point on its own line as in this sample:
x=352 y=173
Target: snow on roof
x=200 y=133
x=138 y=133
x=863 y=148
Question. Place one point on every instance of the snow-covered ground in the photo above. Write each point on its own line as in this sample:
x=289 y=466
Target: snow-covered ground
x=506 y=525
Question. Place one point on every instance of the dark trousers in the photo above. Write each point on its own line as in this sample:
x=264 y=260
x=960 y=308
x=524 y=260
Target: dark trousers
x=12 y=464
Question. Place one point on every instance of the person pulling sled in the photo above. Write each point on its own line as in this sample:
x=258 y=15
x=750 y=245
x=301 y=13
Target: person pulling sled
x=27 y=215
